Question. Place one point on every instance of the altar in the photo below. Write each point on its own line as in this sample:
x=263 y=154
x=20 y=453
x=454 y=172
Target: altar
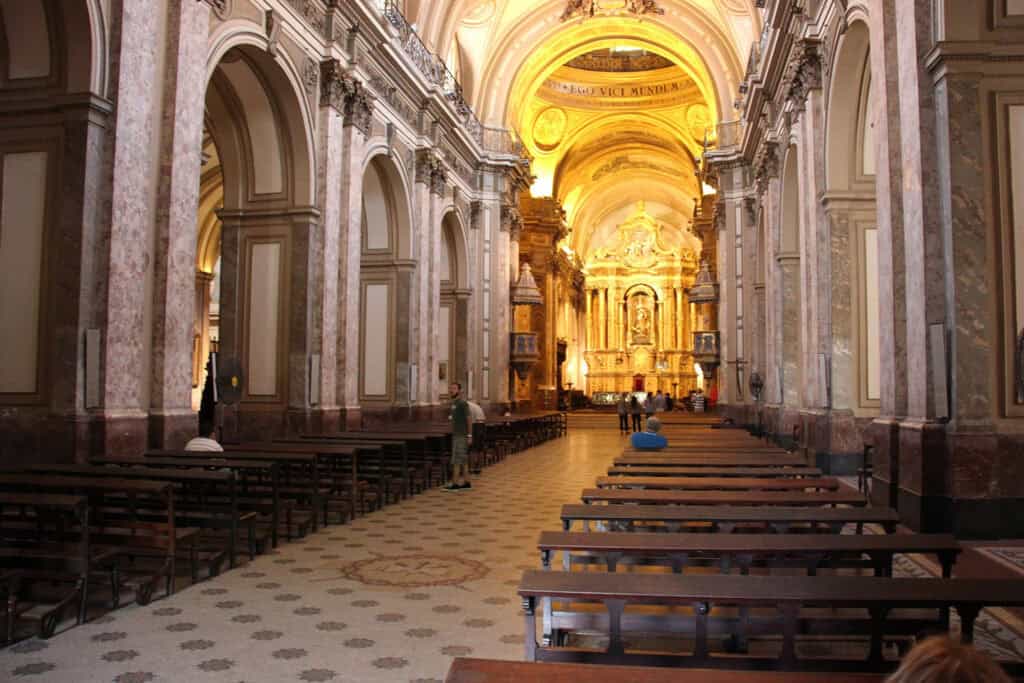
x=639 y=321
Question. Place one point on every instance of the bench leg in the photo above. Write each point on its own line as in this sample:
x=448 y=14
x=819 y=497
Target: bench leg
x=790 y=614
x=968 y=613
x=529 y=610
x=875 y=655
x=701 y=610
x=615 y=609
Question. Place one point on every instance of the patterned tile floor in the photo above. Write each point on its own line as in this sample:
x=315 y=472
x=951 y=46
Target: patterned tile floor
x=393 y=596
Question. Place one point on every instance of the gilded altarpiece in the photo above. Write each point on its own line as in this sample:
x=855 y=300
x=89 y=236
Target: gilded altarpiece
x=638 y=318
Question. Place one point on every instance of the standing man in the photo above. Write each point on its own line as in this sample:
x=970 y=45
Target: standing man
x=623 y=414
x=659 y=402
x=462 y=436
x=649 y=406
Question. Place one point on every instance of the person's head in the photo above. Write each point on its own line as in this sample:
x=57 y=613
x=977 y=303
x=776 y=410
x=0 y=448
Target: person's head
x=659 y=392
x=454 y=389
x=653 y=425
x=207 y=427
x=633 y=400
x=940 y=659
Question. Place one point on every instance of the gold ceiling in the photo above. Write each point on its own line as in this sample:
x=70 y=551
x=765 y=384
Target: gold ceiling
x=612 y=107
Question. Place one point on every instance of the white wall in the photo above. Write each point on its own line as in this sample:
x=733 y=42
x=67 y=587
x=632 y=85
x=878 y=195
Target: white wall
x=264 y=300
x=376 y=338
x=22 y=215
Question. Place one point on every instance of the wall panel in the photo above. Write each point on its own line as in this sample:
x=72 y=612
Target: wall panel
x=22 y=230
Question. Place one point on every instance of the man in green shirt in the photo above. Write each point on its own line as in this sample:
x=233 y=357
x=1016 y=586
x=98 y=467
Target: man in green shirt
x=462 y=436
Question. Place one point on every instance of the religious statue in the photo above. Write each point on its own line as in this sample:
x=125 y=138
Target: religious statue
x=644 y=7
x=641 y=326
x=578 y=7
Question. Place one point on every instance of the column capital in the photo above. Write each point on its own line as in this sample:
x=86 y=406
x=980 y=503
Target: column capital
x=511 y=220
x=803 y=73
x=430 y=170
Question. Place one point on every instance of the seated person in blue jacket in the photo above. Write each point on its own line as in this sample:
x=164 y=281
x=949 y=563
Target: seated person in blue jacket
x=650 y=439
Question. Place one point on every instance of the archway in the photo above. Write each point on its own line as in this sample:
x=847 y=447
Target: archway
x=453 y=323
x=790 y=347
x=850 y=205
x=386 y=278
x=253 y=232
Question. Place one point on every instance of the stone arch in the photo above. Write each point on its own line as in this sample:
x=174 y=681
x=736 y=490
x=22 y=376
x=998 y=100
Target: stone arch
x=386 y=272
x=848 y=109
x=257 y=190
x=454 y=300
x=252 y=94
x=51 y=45
x=789 y=237
x=849 y=202
x=386 y=188
x=789 y=287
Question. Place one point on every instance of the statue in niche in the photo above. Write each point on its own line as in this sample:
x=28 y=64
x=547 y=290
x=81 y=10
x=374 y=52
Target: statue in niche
x=641 y=326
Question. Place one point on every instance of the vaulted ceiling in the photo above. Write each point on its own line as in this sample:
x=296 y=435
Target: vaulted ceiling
x=613 y=106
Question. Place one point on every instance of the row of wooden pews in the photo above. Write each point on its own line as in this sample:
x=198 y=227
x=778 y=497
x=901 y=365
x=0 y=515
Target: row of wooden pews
x=721 y=553
x=130 y=524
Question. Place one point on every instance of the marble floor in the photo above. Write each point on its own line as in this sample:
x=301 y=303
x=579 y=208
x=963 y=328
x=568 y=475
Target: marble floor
x=393 y=596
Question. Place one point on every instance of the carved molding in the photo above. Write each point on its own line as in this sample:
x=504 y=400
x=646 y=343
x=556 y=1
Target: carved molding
x=334 y=84
x=346 y=95
x=511 y=220
x=430 y=170
x=272 y=27
x=311 y=78
x=803 y=73
x=221 y=8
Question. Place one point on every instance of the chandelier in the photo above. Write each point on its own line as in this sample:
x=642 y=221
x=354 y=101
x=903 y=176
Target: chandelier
x=590 y=8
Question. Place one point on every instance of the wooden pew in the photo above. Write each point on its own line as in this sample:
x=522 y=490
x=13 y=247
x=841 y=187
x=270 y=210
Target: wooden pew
x=298 y=482
x=45 y=537
x=263 y=473
x=187 y=483
x=379 y=463
x=466 y=670
x=323 y=469
x=721 y=483
x=810 y=550
x=724 y=518
x=690 y=471
x=114 y=525
x=405 y=455
x=661 y=459
x=659 y=497
x=784 y=595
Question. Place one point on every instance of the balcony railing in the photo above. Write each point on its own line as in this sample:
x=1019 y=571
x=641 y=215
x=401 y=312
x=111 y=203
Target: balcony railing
x=434 y=70
x=728 y=134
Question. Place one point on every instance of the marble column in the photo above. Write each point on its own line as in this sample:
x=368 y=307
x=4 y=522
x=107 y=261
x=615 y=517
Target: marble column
x=350 y=209
x=771 y=206
x=330 y=183
x=892 y=295
x=132 y=162
x=922 y=435
x=172 y=422
x=590 y=340
x=79 y=270
x=304 y=255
